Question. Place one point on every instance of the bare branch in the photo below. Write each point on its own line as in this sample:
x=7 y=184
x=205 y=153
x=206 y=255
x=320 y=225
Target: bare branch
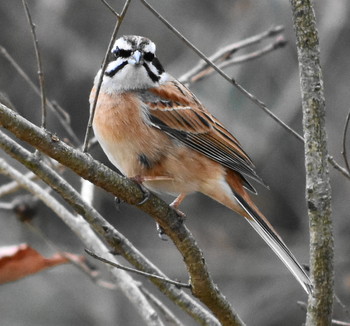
x=110 y=8
x=121 y=187
x=120 y=19
x=318 y=188
x=133 y=270
x=254 y=99
x=238 y=86
x=83 y=231
x=169 y=316
x=13 y=186
x=228 y=61
x=60 y=113
x=39 y=64
x=225 y=53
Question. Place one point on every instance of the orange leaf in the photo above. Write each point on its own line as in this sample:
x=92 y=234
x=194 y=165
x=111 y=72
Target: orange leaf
x=19 y=261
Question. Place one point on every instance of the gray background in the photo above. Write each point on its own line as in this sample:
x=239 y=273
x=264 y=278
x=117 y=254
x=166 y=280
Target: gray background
x=73 y=37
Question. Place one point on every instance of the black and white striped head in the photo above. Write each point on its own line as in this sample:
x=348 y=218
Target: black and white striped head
x=132 y=65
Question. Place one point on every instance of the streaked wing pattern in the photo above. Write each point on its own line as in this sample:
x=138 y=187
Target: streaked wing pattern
x=175 y=110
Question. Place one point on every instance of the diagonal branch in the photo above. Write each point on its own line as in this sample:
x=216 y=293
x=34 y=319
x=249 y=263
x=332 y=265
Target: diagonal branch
x=129 y=192
x=120 y=19
x=89 y=238
x=250 y=96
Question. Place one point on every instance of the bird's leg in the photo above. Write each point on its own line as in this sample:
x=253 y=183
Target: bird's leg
x=139 y=179
x=176 y=203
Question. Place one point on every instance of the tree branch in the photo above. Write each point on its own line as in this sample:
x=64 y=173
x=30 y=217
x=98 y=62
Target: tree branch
x=129 y=192
x=318 y=189
x=120 y=19
x=133 y=270
x=39 y=64
x=89 y=238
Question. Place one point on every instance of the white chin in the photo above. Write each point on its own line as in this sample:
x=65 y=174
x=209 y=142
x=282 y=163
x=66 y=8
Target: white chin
x=131 y=77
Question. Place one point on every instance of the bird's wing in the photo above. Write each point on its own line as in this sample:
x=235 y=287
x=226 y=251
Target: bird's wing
x=175 y=110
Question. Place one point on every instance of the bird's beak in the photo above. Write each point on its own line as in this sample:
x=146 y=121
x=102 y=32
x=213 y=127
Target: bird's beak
x=136 y=58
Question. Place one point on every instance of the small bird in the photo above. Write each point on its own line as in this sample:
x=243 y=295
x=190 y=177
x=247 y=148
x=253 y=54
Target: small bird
x=155 y=130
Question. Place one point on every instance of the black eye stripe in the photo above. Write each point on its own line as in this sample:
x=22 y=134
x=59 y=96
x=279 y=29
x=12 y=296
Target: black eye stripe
x=151 y=74
x=122 y=53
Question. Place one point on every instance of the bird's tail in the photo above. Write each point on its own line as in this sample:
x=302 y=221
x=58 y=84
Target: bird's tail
x=261 y=225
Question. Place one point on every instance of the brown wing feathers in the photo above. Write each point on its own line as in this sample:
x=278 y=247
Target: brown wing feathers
x=184 y=118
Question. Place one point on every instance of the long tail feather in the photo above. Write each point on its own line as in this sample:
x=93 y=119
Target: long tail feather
x=276 y=244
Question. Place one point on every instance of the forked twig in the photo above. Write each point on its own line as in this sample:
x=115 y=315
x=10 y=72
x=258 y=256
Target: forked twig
x=225 y=53
x=120 y=19
x=110 y=8
x=228 y=61
x=39 y=64
x=344 y=152
x=133 y=270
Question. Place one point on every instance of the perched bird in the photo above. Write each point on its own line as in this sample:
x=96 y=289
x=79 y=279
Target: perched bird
x=154 y=129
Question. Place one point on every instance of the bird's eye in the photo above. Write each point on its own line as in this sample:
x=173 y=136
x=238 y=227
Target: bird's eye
x=148 y=56
x=121 y=53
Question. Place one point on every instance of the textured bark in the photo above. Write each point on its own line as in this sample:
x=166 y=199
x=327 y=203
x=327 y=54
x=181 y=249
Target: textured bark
x=318 y=190
x=202 y=284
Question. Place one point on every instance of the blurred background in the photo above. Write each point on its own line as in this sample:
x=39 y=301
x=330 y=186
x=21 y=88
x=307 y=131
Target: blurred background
x=73 y=37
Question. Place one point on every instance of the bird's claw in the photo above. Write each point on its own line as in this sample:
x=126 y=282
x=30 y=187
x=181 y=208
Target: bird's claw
x=146 y=193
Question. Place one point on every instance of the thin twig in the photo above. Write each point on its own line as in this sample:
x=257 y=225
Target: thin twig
x=222 y=73
x=279 y=42
x=169 y=317
x=110 y=8
x=88 y=237
x=238 y=86
x=342 y=305
x=7 y=206
x=344 y=152
x=39 y=64
x=120 y=19
x=339 y=322
x=61 y=114
x=226 y=52
x=109 y=179
x=78 y=261
x=133 y=270
x=13 y=186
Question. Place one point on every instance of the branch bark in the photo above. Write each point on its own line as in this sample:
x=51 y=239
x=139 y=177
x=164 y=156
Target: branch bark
x=318 y=189
x=202 y=284
x=82 y=229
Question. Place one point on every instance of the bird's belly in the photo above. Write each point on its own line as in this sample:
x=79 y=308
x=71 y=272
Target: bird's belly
x=167 y=165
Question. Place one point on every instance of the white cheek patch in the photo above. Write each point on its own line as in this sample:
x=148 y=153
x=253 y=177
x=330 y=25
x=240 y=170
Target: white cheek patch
x=150 y=47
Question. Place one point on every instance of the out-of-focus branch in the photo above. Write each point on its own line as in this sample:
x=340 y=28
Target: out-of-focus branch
x=89 y=238
x=318 y=189
x=133 y=270
x=250 y=96
x=39 y=64
x=224 y=56
x=62 y=116
x=122 y=188
x=120 y=19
